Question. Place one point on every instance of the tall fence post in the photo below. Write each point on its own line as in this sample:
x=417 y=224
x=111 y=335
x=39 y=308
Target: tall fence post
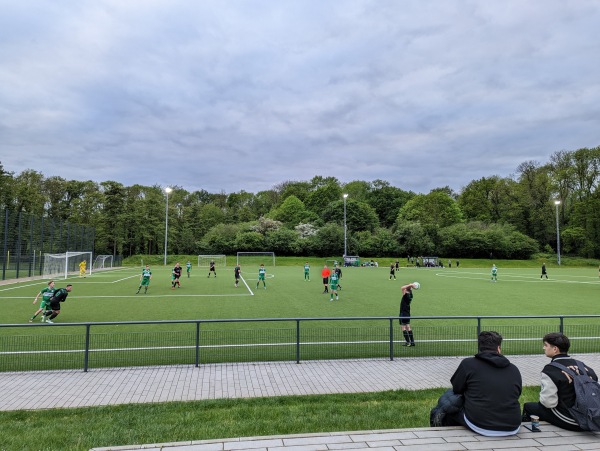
x=86 y=355
x=197 y=344
x=478 y=325
x=297 y=341
x=391 y=339
x=562 y=325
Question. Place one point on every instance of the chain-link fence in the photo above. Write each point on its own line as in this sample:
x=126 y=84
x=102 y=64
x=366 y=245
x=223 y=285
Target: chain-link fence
x=32 y=347
x=24 y=239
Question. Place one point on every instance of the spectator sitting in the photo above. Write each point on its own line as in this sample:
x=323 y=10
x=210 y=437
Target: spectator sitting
x=490 y=386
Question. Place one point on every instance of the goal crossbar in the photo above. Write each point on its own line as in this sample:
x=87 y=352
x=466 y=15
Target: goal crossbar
x=204 y=260
x=246 y=258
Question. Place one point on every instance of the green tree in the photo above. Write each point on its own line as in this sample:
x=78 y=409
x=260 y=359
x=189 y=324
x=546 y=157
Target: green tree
x=113 y=212
x=359 y=215
x=412 y=238
x=28 y=192
x=328 y=241
x=6 y=188
x=220 y=239
x=320 y=198
x=358 y=190
x=249 y=241
x=291 y=212
x=436 y=208
x=387 y=201
x=283 y=242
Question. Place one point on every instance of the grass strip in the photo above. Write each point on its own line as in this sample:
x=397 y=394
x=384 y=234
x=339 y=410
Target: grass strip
x=85 y=428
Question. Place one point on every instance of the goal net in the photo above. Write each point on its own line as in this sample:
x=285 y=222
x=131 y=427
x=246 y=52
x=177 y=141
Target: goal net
x=102 y=262
x=63 y=265
x=256 y=258
x=204 y=260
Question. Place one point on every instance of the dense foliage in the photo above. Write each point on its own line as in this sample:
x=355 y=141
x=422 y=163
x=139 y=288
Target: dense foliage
x=510 y=217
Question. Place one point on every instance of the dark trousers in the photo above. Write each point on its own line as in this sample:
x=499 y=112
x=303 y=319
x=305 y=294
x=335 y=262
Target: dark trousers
x=546 y=414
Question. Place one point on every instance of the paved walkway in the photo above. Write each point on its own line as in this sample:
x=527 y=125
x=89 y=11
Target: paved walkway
x=244 y=380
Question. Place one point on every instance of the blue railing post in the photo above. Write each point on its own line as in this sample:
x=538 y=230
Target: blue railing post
x=86 y=354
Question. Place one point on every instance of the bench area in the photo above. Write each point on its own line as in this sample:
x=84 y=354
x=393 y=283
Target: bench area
x=418 y=439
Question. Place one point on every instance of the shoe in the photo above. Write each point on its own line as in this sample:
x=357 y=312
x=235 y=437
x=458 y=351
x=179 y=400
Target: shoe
x=31 y=320
x=49 y=321
x=405 y=344
x=337 y=298
x=43 y=320
x=412 y=344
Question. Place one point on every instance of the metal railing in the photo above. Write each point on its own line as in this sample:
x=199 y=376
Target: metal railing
x=33 y=347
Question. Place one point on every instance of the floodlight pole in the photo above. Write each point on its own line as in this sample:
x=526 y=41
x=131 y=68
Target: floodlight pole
x=345 y=230
x=167 y=191
x=557 y=203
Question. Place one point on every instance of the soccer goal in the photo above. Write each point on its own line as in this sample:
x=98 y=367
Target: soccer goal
x=204 y=260
x=102 y=262
x=256 y=258
x=61 y=265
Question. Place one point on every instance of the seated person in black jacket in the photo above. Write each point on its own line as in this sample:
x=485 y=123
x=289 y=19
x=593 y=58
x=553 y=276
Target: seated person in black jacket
x=491 y=387
x=557 y=394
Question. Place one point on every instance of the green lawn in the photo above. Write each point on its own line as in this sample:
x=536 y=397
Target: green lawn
x=84 y=428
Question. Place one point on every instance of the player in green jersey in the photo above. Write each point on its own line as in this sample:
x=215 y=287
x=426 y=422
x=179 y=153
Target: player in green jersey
x=494 y=274
x=333 y=286
x=145 y=277
x=59 y=296
x=306 y=272
x=262 y=273
x=188 y=268
x=46 y=294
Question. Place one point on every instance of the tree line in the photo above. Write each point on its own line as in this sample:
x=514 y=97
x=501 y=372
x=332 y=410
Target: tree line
x=507 y=217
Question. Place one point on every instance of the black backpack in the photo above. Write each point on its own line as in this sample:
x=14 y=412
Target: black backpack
x=586 y=410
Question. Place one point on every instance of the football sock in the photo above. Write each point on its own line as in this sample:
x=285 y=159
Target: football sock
x=410 y=335
x=406 y=336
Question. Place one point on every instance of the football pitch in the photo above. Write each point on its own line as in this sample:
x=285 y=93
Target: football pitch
x=110 y=296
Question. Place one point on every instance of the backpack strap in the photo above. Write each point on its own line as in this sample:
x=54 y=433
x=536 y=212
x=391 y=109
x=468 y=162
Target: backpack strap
x=569 y=371
x=564 y=368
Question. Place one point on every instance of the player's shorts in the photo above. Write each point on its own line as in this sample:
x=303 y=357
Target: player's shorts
x=145 y=282
x=55 y=305
x=261 y=277
x=406 y=316
x=333 y=286
x=325 y=280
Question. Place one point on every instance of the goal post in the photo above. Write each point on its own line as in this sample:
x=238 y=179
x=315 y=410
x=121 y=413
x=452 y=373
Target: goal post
x=102 y=262
x=63 y=265
x=256 y=258
x=204 y=260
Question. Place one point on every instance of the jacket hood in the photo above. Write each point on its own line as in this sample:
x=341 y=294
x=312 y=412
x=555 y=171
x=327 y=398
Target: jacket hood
x=493 y=358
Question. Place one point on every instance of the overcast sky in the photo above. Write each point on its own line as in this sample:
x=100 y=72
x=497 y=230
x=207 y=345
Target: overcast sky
x=244 y=94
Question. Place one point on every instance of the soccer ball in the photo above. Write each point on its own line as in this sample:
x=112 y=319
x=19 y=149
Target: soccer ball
x=416 y=285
